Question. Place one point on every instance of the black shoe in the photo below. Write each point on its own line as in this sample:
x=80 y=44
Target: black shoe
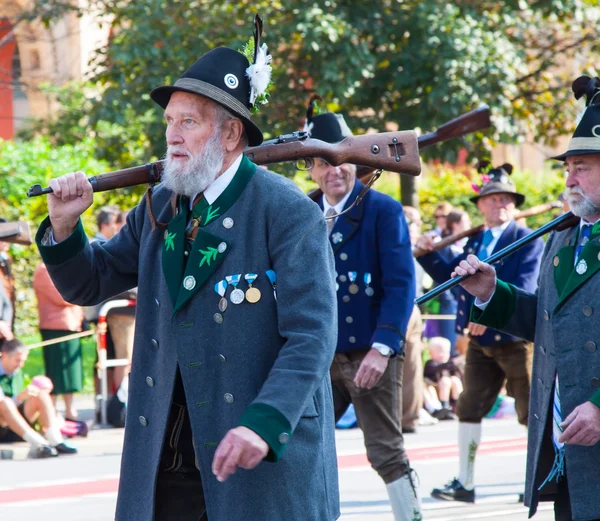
x=521 y=498
x=409 y=430
x=63 y=448
x=444 y=414
x=42 y=452
x=454 y=491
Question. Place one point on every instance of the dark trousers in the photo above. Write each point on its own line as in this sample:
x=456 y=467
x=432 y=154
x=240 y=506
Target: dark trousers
x=378 y=412
x=562 y=503
x=486 y=369
x=179 y=494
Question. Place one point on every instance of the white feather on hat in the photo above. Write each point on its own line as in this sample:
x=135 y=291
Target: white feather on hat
x=259 y=73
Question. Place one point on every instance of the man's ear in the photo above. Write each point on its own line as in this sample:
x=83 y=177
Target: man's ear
x=233 y=130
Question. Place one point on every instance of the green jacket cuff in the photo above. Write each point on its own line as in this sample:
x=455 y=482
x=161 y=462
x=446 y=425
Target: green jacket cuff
x=270 y=425
x=499 y=309
x=595 y=399
x=63 y=251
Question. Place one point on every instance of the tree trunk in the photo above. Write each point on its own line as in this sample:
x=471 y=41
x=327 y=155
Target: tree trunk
x=408 y=191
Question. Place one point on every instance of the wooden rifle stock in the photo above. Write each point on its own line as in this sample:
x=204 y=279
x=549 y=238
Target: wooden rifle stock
x=564 y=221
x=394 y=151
x=451 y=239
x=472 y=121
x=15 y=233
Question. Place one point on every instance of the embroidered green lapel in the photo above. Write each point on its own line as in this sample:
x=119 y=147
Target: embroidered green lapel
x=208 y=250
x=590 y=255
x=173 y=261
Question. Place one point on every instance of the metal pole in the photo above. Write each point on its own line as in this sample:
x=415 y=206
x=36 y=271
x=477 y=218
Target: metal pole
x=449 y=284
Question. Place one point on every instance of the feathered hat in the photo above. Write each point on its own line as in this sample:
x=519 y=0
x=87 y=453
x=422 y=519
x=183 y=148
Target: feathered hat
x=497 y=181
x=328 y=126
x=229 y=78
x=586 y=138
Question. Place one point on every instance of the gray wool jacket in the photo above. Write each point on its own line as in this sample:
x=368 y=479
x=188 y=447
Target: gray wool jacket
x=271 y=356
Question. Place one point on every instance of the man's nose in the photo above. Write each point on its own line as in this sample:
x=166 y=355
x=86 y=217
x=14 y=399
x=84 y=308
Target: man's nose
x=174 y=137
x=570 y=183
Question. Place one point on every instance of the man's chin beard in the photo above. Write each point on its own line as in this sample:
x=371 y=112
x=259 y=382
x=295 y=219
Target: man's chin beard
x=198 y=172
x=582 y=206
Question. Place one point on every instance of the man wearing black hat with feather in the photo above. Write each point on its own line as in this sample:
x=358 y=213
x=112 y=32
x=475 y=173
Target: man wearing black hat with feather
x=492 y=357
x=229 y=414
x=375 y=293
x=563 y=454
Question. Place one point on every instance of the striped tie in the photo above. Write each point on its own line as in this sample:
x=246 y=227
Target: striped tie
x=584 y=238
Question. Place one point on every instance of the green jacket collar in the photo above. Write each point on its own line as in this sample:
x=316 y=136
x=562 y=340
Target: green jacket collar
x=208 y=250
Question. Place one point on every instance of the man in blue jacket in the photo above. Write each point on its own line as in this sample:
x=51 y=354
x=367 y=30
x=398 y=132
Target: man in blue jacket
x=492 y=356
x=375 y=292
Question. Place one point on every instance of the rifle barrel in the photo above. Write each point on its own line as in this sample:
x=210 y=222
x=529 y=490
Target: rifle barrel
x=498 y=256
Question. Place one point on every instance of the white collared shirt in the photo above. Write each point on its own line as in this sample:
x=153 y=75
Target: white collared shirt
x=339 y=207
x=218 y=186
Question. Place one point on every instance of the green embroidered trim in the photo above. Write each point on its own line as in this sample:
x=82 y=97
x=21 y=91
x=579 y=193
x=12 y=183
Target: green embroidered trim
x=170 y=241
x=595 y=399
x=211 y=215
x=200 y=404
x=195 y=364
x=210 y=443
x=208 y=255
x=187 y=324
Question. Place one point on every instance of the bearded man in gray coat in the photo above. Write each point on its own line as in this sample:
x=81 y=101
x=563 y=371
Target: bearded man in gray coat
x=230 y=414
x=563 y=453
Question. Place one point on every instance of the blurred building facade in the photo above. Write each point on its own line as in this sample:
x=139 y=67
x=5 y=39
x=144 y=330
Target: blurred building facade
x=32 y=54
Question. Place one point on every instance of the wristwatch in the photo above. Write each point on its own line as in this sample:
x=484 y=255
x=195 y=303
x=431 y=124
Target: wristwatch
x=383 y=350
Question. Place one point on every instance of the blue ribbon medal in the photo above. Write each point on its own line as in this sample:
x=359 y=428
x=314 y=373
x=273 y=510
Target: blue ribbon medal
x=272 y=276
x=252 y=294
x=353 y=288
x=368 y=290
x=220 y=289
x=237 y=295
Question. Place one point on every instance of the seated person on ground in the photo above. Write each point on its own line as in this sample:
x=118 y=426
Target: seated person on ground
x=21 y=408
x=442 y=380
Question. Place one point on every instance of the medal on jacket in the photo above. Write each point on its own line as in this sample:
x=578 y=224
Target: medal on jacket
x=221 y=288
x=237 y=295
x=353 y=288
x=581 y=267
x=272 y=276
x=252 y=294
x=368 y=290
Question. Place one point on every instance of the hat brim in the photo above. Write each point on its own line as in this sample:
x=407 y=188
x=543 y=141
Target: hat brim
x=568 y=153
x=162 y=95
x=520 y=198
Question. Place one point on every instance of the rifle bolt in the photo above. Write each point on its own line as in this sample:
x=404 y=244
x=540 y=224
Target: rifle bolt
x=375 y=149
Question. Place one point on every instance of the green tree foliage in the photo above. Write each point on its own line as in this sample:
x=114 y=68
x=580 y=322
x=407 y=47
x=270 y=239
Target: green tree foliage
x=411 y=63
x=27 y=163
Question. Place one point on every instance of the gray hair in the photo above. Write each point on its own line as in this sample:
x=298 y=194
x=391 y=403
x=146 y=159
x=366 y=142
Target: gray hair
x=222 y=115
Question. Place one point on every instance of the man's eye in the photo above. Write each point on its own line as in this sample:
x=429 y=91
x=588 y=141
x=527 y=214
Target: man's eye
x=188 y=121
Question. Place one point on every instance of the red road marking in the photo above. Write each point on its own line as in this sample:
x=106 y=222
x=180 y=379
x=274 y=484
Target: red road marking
x=103 y=486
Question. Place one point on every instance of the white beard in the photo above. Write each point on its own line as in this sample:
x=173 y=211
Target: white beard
x=198 y=172
x=581 y=207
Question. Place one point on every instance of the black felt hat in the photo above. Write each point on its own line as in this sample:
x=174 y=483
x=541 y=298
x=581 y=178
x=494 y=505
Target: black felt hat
x=329 y=126
x=586 y=138
x=226 y=77
x=498 y=181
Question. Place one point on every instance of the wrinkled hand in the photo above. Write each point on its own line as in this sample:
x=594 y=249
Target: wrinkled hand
x=371 y=369
x=425 y=243
x=582 y=426
x=241 y=447
x=6 y=331
x=482 y=282
x=476 y=329
x=73 y=195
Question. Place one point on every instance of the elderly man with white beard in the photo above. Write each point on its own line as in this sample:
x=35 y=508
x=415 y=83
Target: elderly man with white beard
x=562 y=317
x=236 y=301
